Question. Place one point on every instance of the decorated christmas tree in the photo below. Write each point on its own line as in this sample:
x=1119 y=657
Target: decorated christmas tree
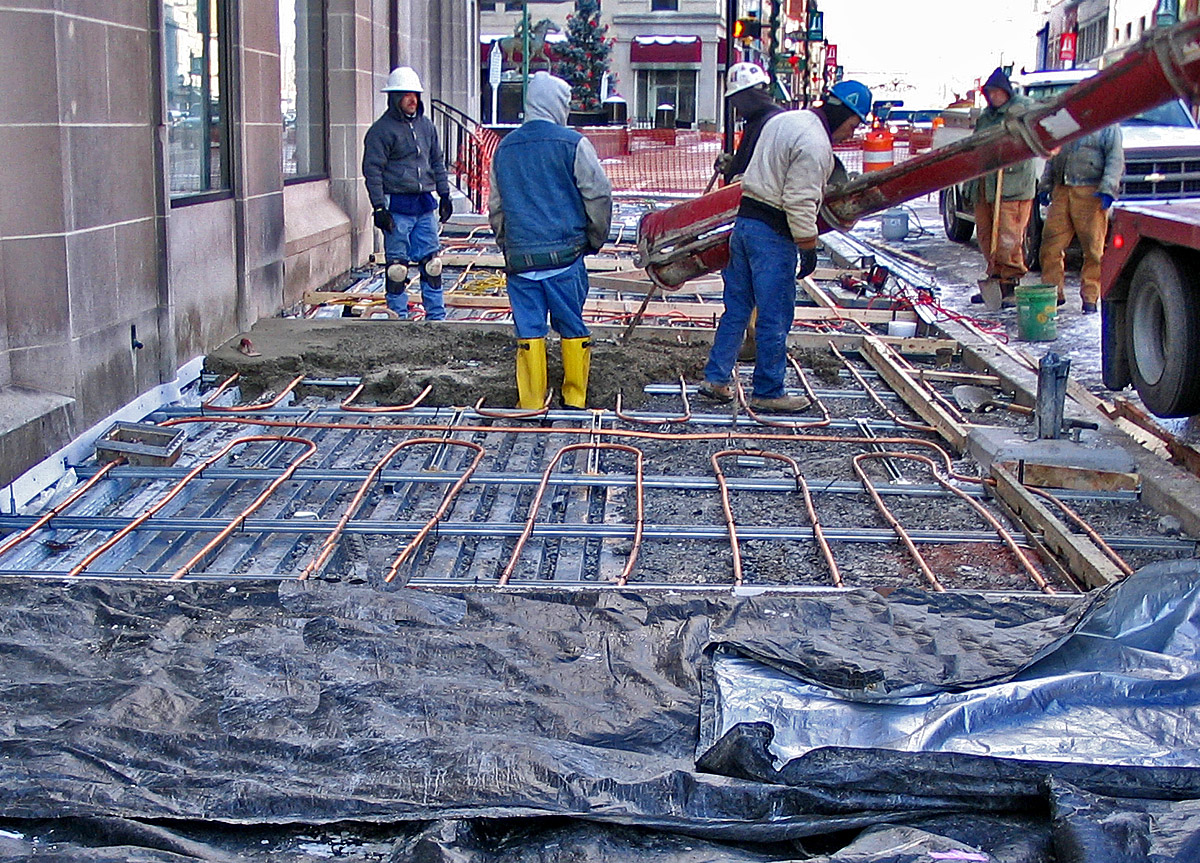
x=583 y=59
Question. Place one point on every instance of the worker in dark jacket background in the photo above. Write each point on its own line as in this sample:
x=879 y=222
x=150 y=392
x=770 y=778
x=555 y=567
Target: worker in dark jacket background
x=403 y=166
x=746 y=91
x=550 y=204
x=1000 y=227
x=1079 y=184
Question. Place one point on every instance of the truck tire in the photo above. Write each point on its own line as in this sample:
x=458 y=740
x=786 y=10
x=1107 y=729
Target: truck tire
x=1162 y=330
x=1114 y=361
x=957 y=229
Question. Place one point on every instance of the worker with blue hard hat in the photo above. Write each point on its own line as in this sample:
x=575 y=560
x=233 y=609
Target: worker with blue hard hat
x=783 y=188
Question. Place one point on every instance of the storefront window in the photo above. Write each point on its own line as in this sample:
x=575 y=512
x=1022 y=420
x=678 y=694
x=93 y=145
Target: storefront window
x=196 y=96
x=674 y=87
x=302 y=87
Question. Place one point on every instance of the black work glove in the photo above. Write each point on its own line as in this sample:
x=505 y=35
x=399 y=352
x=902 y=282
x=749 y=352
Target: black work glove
x=384 y=220
x=808 y=262
x=445 y=208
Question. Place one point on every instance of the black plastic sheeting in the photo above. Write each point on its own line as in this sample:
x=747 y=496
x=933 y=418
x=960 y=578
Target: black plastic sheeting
x=323 y=720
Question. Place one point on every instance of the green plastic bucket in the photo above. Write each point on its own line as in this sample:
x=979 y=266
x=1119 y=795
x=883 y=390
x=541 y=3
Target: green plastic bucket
x=1037 y=313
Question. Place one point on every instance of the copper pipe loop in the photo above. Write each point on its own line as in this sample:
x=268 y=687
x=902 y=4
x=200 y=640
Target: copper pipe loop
x=248 y=511
x=903 y=535
x=240 y=409
x=331 y=540
x=812 y=397
x=16 y=539
x=801 y=485
x=686 y=416
x=1090 y=531
x=541 y=491
x=513 y=413
x=388 y=409
x=447 y=501
x=188 y=477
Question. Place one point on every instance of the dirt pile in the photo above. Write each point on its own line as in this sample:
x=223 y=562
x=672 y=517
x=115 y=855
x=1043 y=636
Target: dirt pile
x=397 y=360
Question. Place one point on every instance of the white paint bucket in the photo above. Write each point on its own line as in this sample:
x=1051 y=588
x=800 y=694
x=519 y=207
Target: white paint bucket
x=902 y=329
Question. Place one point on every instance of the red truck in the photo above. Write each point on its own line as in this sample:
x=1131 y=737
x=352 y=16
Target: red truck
x=1150 y=305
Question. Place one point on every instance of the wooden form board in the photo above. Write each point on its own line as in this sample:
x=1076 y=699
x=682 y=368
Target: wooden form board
x=697 y=310
x=1083 y=558
x=878 y=355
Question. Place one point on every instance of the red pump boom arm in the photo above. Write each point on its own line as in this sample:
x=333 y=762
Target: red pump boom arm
x=690 y=239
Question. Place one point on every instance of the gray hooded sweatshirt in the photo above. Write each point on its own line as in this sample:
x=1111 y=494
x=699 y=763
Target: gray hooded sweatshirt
x=550 y=199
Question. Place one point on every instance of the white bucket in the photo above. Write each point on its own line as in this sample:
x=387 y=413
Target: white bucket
x=895 y=225
x=902 y=329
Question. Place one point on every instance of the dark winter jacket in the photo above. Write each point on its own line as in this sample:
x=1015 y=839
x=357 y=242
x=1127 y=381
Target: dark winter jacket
x=1020 y=180
x=401 y=156
x=754 y=119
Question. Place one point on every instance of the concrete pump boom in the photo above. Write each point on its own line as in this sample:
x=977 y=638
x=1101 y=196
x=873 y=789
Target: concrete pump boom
x=692 y=238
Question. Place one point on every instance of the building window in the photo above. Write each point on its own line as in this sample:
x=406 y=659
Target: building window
x=197 y=97
x=1091 y=39
x=674 y=87
x=664 y=5
x=302 y=87
x=1142 y=26
x=487 y=5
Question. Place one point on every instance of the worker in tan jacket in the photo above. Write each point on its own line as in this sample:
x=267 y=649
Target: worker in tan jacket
x=776 y=227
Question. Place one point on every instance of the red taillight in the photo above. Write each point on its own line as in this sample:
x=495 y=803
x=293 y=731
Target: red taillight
x=1118 y=241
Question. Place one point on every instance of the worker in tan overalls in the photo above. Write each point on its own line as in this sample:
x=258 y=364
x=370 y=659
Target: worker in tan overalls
x=1002 y=219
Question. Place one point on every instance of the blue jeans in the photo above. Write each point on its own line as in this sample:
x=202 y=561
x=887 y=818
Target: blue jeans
x=561 y=296
x=762 y=273
x=415 y=238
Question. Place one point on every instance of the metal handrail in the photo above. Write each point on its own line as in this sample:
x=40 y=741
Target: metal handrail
x=468 y=146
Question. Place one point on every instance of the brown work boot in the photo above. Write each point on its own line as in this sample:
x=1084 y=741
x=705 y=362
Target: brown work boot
x=717 y=392
x=1008 y=292
x=782 y=405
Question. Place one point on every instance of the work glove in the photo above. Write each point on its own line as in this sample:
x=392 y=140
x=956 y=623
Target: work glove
x=445 y=208
x=723 y=162
x=1106 y=200
x=808 y=262
x=1044 y=198
x=383 y=220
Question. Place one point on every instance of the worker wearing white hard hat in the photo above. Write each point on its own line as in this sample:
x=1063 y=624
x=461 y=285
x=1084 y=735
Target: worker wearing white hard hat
x=776 y=229
x=746 y=91
x=403 y=166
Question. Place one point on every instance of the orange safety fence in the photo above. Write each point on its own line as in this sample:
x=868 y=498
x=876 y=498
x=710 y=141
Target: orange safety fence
x=660 y=161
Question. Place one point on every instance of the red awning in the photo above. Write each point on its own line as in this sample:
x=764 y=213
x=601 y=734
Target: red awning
x=665 y=49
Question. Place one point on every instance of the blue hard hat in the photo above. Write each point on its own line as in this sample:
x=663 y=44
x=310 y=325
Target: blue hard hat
x=854 y=95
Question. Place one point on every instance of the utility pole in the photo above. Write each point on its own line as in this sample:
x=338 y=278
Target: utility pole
x=731 y=15
x=524 y=54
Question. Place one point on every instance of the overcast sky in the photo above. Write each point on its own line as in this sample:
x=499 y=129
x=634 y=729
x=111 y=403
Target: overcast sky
x=936 y=47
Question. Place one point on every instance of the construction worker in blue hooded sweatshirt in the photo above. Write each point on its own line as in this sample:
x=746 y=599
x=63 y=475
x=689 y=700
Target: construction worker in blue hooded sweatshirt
x=783 y=189
x=550 y=204
x=403 y=166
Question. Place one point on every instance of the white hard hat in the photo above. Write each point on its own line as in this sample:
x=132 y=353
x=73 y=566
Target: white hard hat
x=403 y=79
x=743 y=76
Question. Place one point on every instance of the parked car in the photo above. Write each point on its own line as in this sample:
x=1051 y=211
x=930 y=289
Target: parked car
x=1162 y=157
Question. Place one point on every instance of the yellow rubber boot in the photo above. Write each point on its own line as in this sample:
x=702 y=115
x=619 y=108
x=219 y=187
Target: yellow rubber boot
x=577 y=362
x=531 y=374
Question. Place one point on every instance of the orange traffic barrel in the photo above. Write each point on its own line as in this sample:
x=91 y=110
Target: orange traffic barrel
x=878 y=152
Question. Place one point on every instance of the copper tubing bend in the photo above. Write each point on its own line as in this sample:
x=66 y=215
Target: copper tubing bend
x=331 y=540
x=208 y=405
x=188 y=477
x=14 y=540
x=801 y=485
x=903 y=535
x=541 y=491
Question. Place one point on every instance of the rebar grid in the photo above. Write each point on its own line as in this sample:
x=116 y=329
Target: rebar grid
x=493 y=504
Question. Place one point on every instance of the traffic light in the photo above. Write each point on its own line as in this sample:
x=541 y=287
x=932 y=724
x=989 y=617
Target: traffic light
x=747 y=29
